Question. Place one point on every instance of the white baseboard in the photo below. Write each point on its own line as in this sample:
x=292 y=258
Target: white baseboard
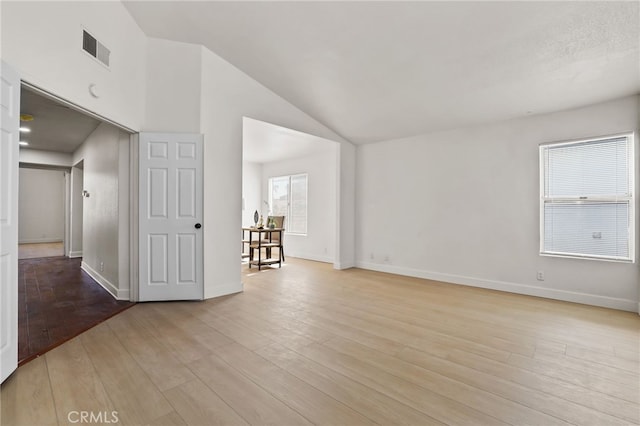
x=224 y=290
x=549 y=293
x=344 y=265
x=40 y=240
x=105 y=283
x=340 y=266
x=310 y=256
x=74 y=254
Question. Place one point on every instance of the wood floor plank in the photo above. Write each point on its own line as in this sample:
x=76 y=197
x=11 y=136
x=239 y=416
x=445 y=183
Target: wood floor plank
x=369 y=338
x=254 y=404
x=237 y=332
x=86 y=392
x=135 y=397
x=540 y=401
x=618 y=383
x=171 y=419
x=29 y=387
x=609 y=359
x=448 y=384
x=408 y=318
x=157 y=317
x=369 y=402
x=199 y=405
x=587 y=396
x=431 y=403
x=314 y=405
x=156 y=359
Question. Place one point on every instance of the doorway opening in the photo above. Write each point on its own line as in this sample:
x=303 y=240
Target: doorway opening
x=73 y=180
x=41 y=209
x=295 y=175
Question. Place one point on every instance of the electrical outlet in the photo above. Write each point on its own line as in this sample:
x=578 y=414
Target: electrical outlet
x=101 y=266
x=540 y=276
x=386 y=259
x=371 y=256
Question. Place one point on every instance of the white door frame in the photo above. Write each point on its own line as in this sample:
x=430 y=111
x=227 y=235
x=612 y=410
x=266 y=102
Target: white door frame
x=133 y=261
x=134 y=229
x=66 y=199
x=9 y=221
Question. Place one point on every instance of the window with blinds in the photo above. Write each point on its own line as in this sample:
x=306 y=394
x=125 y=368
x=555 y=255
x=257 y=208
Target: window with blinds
x=587 y=198
x=288 y=197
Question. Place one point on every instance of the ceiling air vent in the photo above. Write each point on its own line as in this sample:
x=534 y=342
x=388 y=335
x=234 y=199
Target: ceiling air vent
x=94 y=48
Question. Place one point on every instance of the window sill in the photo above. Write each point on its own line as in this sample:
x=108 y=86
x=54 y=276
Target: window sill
x=295 y=234
x=583 y=257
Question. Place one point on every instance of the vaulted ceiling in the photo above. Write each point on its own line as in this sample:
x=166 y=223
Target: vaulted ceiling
x=381 y=70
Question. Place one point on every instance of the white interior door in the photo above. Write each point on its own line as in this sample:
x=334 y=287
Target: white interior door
x=170 y=224
x=10 y=134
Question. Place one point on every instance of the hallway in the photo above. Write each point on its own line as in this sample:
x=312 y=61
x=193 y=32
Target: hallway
x=56 y=302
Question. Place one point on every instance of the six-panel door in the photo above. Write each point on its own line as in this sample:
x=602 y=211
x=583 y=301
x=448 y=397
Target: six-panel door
x=170 y=227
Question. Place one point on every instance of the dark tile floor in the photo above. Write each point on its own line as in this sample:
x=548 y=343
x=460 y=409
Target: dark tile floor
x=56 y=302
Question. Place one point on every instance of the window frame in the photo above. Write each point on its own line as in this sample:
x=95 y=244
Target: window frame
x=289 y=201
x=582 y=200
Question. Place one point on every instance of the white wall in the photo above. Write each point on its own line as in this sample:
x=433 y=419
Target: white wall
x=346 y=208
x=319 y=243
x=462 y=206
x=101 y=256
x=43 y=42
x=173 y=87
x=46 y=158
x=251 y=191
x=227 y=96
x=41 y=206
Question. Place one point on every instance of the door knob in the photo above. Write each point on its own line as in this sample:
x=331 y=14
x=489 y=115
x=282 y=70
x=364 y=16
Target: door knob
x=198 y=226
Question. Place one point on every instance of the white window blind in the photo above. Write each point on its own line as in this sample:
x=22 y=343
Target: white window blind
x=288 y=198
x=587 y=198
x=298 y=222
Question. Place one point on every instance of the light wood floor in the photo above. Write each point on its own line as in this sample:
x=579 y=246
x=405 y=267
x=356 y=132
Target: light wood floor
x=35 y=250
x=309 y=345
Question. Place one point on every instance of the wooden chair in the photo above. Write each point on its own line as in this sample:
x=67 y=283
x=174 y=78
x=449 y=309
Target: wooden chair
x=275 y=238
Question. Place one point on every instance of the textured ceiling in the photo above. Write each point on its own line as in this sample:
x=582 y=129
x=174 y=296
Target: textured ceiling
x=376 y=71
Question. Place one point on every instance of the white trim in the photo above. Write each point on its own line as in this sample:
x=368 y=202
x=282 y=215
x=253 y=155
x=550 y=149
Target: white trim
x=43 y=92
x=67 y=213
x=41 y=240
x=123 y=294
x=525 y=289
x=345 y=265
x=586 y=140
x=105 y=283
x=74 y=254
x=309 y=256
x=224 y=290
x=134 y=273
